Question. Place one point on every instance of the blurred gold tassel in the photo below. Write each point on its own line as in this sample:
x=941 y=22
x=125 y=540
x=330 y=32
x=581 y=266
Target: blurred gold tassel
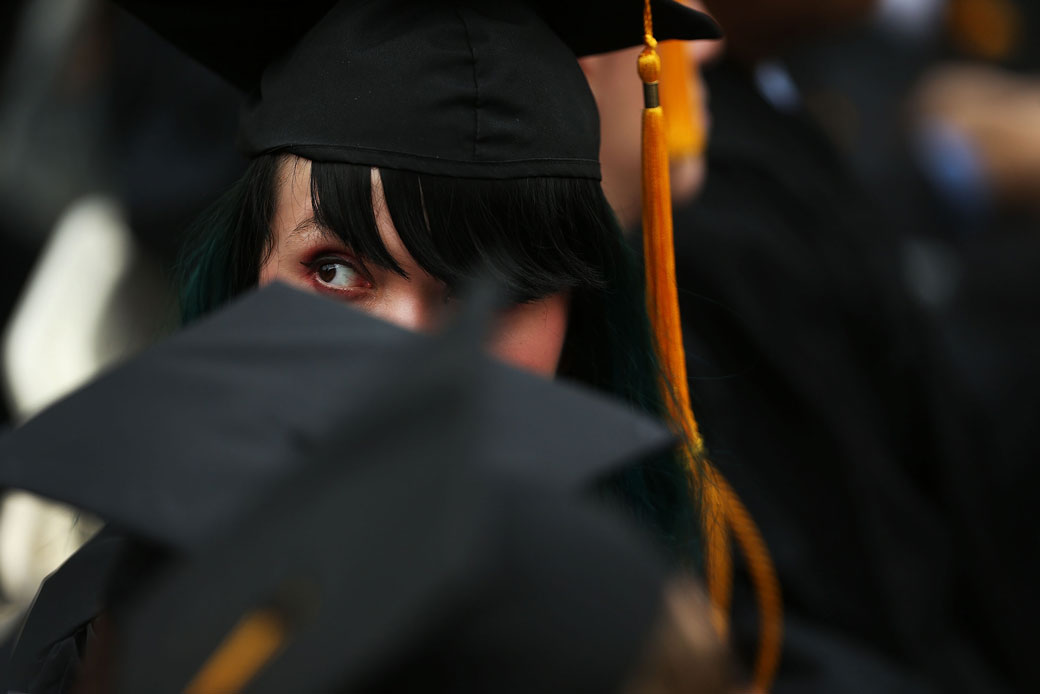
x=251 y=645
x=721 y=510
x=681 y=102
x=987 y=29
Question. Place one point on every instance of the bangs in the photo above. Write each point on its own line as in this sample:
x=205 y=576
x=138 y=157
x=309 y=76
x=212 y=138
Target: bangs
x=534 y=236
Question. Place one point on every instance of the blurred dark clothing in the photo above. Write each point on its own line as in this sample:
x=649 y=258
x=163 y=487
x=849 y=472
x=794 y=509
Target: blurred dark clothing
x=991 y=331
x=855 y=85
x=171 y=135
x=877 y=91
x=812 y=374
x=56 y=635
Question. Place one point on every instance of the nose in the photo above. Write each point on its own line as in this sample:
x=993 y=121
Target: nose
x=412 y=312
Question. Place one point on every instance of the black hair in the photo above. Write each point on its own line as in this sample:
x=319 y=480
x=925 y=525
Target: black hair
x=534 y=236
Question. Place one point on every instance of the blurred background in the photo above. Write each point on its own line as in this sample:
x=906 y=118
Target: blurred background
x=860 y=291
x=860 y=272
x=110 y=143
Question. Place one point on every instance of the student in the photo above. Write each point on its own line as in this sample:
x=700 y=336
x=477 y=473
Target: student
x=400 y=148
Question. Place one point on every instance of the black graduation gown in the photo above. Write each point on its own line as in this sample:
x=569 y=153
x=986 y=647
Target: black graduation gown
x=46 y=654
x=989 y=412
x=811 y=374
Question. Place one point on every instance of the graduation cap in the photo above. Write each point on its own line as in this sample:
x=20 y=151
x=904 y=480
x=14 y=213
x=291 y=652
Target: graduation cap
x=464 y=579
x=288 y=425
x=183 y=437
x=465 y=88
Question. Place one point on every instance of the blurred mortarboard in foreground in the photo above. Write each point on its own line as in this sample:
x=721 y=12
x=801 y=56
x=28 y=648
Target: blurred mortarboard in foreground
x=464 y=578
x=185 y=436
x=364 y=528
x=465 y=88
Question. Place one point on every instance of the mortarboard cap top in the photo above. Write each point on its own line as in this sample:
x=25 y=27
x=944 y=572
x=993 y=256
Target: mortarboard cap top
x=462 y=88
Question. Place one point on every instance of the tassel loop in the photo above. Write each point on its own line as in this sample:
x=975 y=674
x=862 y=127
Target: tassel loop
x=650 y=63
x=650 y=73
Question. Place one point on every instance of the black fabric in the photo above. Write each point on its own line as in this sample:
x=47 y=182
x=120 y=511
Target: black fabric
x=565 y=607
x=170 y=131
x=230 y=406
x=48 y=650
x=481 y=111
x=459 y=88
x=462 y=579
x=812 y=378
x=238 y=40
x=392 y=544
x=989 y=413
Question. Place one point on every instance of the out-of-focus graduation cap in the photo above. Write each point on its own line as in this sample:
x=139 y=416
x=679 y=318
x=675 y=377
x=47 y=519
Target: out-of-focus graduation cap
x=183 y=437
x=465 y=88
x=405 y=482
x=464 y=579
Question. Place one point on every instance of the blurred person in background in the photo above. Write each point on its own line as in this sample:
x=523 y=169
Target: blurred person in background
x=83 y=120
x=973 y=120
x=970 y=123
x=934 y=104
x=103 y=165
x=823 y=392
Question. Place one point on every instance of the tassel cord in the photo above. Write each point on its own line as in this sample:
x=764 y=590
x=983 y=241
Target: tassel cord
x=721 y=509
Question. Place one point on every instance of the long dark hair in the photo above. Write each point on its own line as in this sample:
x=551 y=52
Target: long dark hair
x=535 y=236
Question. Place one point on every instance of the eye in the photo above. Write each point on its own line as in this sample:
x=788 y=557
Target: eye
x=339 y=274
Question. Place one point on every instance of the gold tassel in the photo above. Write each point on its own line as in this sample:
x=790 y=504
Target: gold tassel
x=663 y=308
x=721 y=509
x=681 y=102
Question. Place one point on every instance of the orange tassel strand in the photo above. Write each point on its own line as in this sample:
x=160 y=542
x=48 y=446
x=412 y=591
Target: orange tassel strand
x=721 y=509
x=663 y=308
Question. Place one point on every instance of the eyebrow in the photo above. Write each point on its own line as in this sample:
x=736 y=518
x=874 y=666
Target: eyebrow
x=311 y=225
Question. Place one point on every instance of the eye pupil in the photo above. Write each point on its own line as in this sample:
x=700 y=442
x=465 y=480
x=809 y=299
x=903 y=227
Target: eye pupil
x=327 y=272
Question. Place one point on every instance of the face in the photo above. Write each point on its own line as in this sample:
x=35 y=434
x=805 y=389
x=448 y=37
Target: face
x=303 y=254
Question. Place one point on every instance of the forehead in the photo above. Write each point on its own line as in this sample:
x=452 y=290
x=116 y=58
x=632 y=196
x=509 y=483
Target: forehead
x=293 y=211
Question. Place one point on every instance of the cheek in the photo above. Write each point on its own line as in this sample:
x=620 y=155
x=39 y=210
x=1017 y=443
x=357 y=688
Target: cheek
x=531 y=336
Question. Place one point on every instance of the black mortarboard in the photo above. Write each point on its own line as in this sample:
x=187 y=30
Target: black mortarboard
x=463 y=88
x=465 y=579
x=186 y=435
x=424 y=463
